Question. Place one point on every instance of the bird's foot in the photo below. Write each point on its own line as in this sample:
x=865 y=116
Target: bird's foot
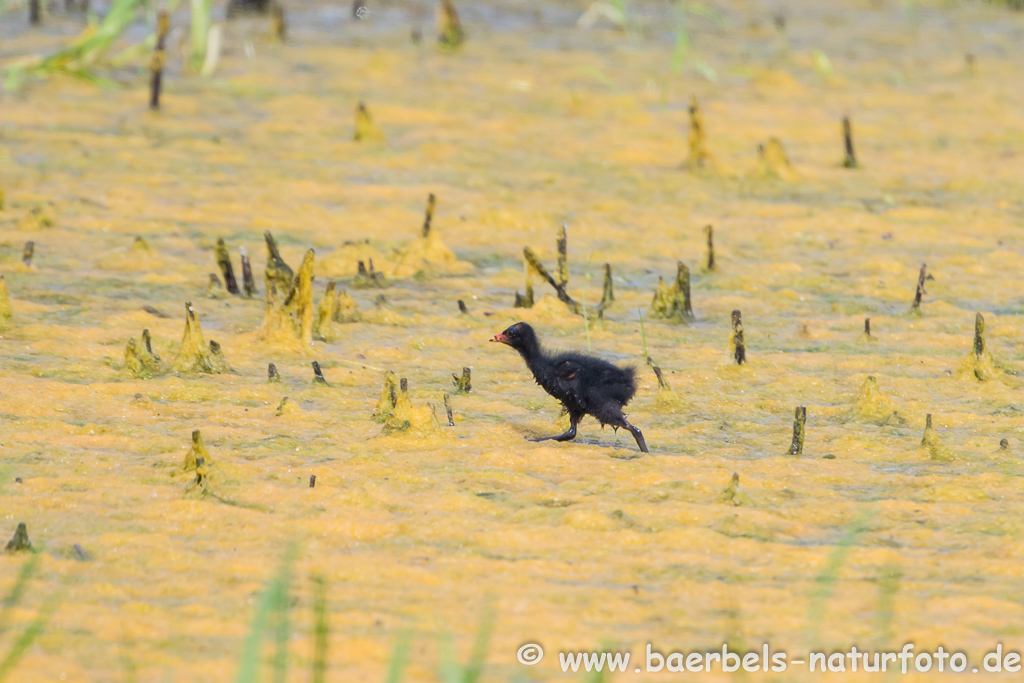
x=639 y=436
x=567 y=436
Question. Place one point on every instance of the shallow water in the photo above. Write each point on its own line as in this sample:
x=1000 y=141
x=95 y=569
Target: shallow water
x=533 y=122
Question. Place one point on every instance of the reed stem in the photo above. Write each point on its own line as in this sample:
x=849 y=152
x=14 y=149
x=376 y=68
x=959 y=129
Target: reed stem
x=850 y=159
x=739 y=348
x=799 y=426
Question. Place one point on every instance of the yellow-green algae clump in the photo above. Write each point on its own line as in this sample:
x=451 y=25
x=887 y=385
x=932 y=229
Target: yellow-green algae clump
x=452 y=34
x=139 y=358
x=772 y=162
x=334 y=307
x=672 y=302
x=366 y=130
x=388 y=398
x=667 y=400
x=346 y=310
x=195 y=356
x=288 y=319
x=344 y=261
x=408 y=418
x=323 y=322
x=139 y=257
x=207 y=479
x=932 y=444
x=872 y=405
x=428 y=254
x=732 y=494
x=979 y=363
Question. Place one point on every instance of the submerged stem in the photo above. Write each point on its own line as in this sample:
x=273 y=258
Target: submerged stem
x=429 y=217
x=318 y=375
x=224 y=262
x=608 y=291
x=683 y=286
x=739 y=348
x=919 y=292
x=850 y=159
x=662 y=382
x=979 y=335
x=156 y=65
x=448 y=409
x=526 y=301
x=248 y=284
x=799 y=426
x=277 y=271
x=563 y=296
x=561 y=244
x=709 y=263
x=463 y=384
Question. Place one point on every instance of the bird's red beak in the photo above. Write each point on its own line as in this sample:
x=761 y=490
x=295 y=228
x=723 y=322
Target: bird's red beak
x=500 y=337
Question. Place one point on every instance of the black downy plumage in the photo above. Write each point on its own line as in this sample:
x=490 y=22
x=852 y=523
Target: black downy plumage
x=585 y=385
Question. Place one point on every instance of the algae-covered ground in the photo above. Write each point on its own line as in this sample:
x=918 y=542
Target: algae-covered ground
x=151 y=564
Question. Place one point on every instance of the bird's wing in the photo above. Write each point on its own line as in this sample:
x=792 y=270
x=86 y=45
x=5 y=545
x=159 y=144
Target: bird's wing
x=568 y=369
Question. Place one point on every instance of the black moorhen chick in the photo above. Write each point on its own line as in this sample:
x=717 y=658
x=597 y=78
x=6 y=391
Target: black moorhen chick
x=585 y=385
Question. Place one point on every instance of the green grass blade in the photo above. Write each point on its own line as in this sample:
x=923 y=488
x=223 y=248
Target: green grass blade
x=603 y=78
x=825 y=582
x=13 y=598
x=699 y=9
x=888 y=586
x=481 y=643
x=281 y=629
x=248 y=668
x=87 y=51
x=200 y=29
x=680 y=49
x=322 y=630
x=399 y=657
x=448 y=668
x=131 y=671
x=28 y=636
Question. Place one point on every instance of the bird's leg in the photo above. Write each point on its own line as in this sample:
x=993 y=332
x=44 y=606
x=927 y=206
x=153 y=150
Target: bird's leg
x=638 y=435
x=569 y=435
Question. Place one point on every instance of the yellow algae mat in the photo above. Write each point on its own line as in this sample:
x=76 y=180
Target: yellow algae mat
x=162 y=468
